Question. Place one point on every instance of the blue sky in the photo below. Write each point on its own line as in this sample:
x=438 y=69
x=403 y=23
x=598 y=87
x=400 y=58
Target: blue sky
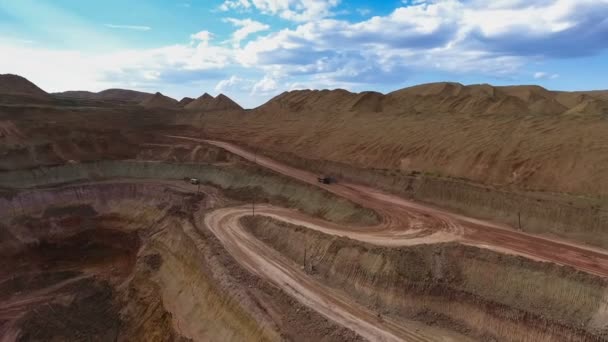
x=252 y=50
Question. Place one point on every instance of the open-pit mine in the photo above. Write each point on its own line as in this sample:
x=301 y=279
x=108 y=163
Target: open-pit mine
x=128 y=216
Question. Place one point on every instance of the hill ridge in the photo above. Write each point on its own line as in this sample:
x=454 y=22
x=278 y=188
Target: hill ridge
x=445 y=97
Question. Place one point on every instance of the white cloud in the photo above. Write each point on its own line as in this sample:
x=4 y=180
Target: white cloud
x=444 y=35
x=72 y=69
x=233 y=83
x=265 y=85
x=474 y=37
x=129 y=27
x=203 y=36
x=543 y=75
x=235 y=4
x=295 y=10
x=247 y=27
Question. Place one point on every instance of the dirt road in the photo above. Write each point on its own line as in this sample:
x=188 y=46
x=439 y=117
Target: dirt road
x=427 y=224
x=256 y=257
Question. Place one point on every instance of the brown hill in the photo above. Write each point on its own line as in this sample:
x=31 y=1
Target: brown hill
x=209 y=103
x=20 y=86
x=523 y=137
x=159 y=100
x=202 y=103
x=223 y=102
x=185 y=101
x=108 y=94
x=124 y=95
x=449 y=98
x=77 y=94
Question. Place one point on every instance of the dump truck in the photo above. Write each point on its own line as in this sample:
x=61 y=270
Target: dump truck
x=326 y=179
x=194 y=181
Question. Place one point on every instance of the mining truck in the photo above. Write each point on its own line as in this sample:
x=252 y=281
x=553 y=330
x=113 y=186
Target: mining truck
x=194 y=181
x=326 y=179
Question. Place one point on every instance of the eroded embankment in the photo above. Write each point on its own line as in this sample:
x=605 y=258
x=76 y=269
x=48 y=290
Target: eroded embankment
x=68 y=255
x=478 y=292
x=569 y=216
x=241 y=181
x=125 y=261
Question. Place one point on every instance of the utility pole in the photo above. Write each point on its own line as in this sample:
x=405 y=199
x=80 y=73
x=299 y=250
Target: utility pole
x=519 y=219
x=255 y=161
x=305 y=248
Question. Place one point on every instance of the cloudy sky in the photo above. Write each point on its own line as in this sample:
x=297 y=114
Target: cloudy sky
x=252 y=50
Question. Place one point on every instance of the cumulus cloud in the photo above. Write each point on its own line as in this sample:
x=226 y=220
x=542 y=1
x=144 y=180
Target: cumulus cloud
x=234 y=83
x=448 y=35
x=246 y=28
x=559 y=28
x=235 y=4
x=475 y=37
x=295 y=10
x=203 y=36
x=264 y=86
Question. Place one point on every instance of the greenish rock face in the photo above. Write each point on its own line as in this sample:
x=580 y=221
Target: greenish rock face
x=238 y=179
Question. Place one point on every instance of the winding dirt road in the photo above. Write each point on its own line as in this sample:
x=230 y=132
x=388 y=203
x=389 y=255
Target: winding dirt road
x=406 y=222
x=257 y=258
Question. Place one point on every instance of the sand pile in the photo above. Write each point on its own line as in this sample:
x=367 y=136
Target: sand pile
x=202 y=103
x=185 y=101
x=159 y=101
x=223 y=102
x=209 y=103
